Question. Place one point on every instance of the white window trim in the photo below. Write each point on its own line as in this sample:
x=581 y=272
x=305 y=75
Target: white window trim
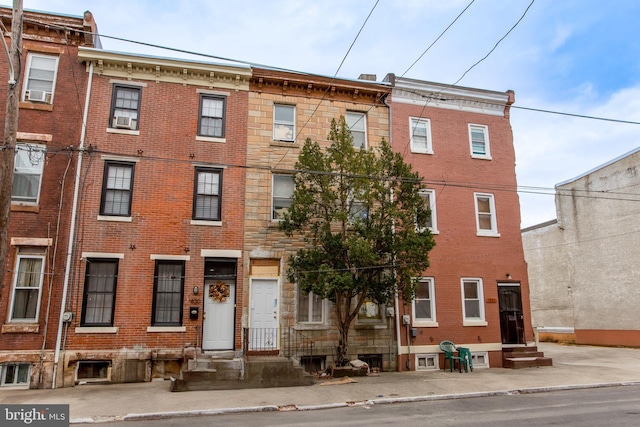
x=311 y=323
x=412 y=125
x=436 y=362
x=293 y=138
x=273 y=182
x=426 y=323
x=484 y=355
x=366 y=137
x=494 y=220
x=374 y=321
x=487 y=146
x=29 y=147
x=473 y=321
x=3 y=374
x=15 y=283
x=432 y=206
x=28 y=68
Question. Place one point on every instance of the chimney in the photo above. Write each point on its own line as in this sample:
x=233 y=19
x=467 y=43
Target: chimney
x=369 y=77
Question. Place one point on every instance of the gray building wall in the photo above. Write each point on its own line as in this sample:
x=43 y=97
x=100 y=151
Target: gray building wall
x=584 y=269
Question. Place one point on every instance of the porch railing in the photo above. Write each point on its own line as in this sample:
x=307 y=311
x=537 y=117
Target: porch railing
x=273 y=341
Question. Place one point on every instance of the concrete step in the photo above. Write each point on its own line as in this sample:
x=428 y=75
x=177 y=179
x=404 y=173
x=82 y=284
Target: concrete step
x=524 y=357
x=522 y=354
x=257 y=372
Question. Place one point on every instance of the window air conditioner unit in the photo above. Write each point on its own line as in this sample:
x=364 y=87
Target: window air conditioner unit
x=123 y=122
x=37 y=95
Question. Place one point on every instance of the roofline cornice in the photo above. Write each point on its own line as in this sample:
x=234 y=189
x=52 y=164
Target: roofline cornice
x=142 y=67
x=312 y=85
x=438 y=95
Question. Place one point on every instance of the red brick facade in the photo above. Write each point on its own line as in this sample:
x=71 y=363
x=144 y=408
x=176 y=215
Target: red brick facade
x=164 y=150
x=47 y=131
x=149 y=241
x=456 y=175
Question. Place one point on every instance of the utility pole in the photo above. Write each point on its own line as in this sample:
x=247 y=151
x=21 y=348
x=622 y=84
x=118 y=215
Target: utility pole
x=10 y=134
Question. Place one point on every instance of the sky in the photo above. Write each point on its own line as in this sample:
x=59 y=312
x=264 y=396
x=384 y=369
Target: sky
x=580 y=57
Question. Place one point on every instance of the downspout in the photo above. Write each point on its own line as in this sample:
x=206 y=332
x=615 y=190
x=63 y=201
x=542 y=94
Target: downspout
x=395 y=300
x=53 y=266
x=72 y=227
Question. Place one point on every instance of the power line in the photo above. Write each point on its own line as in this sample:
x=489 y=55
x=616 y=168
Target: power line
x=479 y=186
x=497 y=43
x=437 y=38
x=470 y=68
x=255 y=64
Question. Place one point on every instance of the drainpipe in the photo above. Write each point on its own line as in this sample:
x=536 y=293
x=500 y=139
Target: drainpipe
x=72 y=227
x=395 y=300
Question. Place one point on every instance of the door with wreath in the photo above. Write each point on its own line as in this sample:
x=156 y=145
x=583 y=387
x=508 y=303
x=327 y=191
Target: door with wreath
x=219 y=314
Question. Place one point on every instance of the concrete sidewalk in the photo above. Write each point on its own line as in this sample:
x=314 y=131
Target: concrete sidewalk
x=574 y=367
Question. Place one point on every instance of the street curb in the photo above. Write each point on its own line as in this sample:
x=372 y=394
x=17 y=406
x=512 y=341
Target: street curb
x=275 y=408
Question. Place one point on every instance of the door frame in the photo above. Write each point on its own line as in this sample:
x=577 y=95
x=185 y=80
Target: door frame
x=230 y=275
x=518 y=321
x=276 y=281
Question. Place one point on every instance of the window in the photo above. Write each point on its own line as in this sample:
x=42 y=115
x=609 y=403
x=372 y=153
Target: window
x=310 y=308
x=357 y=123
x=472 y=300
x=479 y=138
x=282 y=195
x=420 y=131
x=284 y=122
x=27 y=176
x=40 y=78
x=427 y=362
x=370 y=311
x=486 y=215
x=167 y=293
x=117 y=187
x=99 y=300
x=211 y=117
x=480 y=360
x=15 y=374
x=27 y=288
x=125 y=107
x=429 y=197
x=424 y=307
x=206 y=199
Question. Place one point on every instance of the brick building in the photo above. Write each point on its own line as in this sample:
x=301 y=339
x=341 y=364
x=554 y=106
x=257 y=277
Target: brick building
x=52 y=86
x=475 y=292
x=285 y=109
x=160 y=217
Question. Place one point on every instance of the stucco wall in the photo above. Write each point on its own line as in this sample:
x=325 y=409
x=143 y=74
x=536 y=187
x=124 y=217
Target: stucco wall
x=550 y=277
x=591 y=256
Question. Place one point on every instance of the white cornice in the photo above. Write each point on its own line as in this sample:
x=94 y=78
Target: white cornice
x=450 y=97
x=141 y=67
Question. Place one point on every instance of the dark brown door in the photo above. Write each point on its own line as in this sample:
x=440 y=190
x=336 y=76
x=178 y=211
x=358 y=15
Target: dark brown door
x=511 y=317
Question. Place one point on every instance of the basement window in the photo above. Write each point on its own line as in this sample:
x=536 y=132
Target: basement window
x=427 y=362
x=314 y=363
x=93 y=371
x=373 y=360
x=480 y=360
x=13 y=374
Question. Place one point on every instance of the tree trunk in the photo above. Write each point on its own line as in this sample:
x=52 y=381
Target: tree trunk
x=342 y=349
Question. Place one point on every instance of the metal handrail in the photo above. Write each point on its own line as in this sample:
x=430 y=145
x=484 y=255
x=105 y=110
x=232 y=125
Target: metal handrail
x=286 y=342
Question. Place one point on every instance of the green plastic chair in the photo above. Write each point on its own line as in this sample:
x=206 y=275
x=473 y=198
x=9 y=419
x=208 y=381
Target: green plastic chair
x=448 y=348
x=465 y=356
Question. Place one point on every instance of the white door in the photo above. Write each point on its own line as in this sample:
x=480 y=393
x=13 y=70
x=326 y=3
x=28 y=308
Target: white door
x=219 y=313
x=263 y=316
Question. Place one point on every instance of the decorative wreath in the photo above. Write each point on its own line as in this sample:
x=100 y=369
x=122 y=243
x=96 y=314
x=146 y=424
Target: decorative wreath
x=219 y=291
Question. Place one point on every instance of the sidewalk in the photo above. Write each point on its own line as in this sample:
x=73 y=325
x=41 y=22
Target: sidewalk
x=574 y=367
